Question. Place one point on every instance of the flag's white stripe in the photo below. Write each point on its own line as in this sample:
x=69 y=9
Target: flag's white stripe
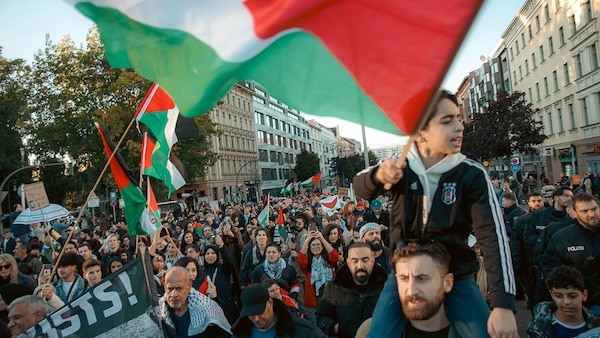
x=176 y=179
x=226 y=26
x=170 y=135
x=146 y=103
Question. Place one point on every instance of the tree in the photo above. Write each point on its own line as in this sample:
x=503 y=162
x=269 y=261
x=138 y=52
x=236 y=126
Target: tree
x=506 y=127
x=73 y=87
x=307 y=164
x=347 y=167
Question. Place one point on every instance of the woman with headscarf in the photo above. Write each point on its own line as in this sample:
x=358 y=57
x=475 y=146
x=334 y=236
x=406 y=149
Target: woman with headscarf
x=220 y=274
x=9 y=273
x=276 y=268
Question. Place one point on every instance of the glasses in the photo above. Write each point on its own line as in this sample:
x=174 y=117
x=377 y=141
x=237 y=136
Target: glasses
x=159 y=260
x=5 y=267
x=422 y=243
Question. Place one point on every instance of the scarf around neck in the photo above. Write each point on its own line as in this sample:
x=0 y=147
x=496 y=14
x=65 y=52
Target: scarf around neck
x=274 y=270
x=320 y=273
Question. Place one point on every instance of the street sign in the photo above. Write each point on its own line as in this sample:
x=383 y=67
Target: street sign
x=514 y=160
x=486 y=163
x=94 y=201
x=113 y=196
x=113 y=203
x=515 y=168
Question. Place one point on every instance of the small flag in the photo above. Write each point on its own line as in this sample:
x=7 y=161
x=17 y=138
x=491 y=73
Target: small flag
x=171 y=170
x=311 y=181
x=263 y=217
x=330 y=204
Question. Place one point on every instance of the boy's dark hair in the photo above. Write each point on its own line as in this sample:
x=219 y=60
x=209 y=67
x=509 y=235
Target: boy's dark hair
x=68 y=259
x=442 y=94
x=423 y=247
x=564 y=277
x=89 y=263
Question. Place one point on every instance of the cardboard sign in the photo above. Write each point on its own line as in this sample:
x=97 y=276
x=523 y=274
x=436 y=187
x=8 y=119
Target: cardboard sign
x=342 y=191
x=36 y=196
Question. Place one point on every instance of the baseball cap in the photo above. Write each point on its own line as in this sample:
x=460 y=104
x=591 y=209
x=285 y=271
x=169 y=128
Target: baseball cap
x=360 y=204
x=376 y=204
x=254 y=300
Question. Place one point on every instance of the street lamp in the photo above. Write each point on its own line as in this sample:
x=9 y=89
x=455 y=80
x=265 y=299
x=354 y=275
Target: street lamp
x=237 y=176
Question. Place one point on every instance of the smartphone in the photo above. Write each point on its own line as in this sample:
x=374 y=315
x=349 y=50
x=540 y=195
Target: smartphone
x=312 y=227
x=47 y=269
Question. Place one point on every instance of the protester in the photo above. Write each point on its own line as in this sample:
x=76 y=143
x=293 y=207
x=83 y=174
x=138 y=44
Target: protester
x=276 y=268
x=565 y=315
x=263 y=316
x=422 y=270
x=10 y=274
x=188 y=313
x=254 y=257
x=351 y=298
x=24 y=312
x=439 y=193
x=221 y=274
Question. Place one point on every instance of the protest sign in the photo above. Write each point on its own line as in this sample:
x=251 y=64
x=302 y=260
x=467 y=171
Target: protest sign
x=35 y=193
x=122 y=304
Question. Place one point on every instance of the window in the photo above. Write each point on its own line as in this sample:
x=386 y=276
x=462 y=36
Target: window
x=561 y=36
x=561 y=126
x=537 y=91
x=526 y=67
x=520 y=73
x=517 y=45
x=512 y=56
x=551 y=45
x=555 y=80
x=566 y=71
x=523 y=39
x=571 y=114
x=530 y=95
x=584 y=111
x=534 y=63
x=530 y=33
x=537 y=23
x=514 y=76
x=546 y=13
x=550 y=124
x=542 y=53
x=572 y=24
x=578 y=66
x=587 y=11
x=594 y=56
x=546 y=91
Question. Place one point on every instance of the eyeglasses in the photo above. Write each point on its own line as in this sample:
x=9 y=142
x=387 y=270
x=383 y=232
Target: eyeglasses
x=5 y=267
x=421 y=243
x=159 y=260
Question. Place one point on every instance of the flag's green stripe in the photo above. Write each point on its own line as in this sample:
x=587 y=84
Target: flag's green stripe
x=296 y=68
x=135 y=202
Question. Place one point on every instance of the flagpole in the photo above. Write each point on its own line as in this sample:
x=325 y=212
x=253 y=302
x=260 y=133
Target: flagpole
x=400 y=160
x=89 y=197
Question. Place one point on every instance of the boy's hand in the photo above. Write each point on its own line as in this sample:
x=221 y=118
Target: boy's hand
x=388 y=172
x=502 y=323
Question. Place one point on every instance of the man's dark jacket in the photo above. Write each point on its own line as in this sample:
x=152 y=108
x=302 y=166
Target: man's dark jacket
x=342 y=302
x=287 y=326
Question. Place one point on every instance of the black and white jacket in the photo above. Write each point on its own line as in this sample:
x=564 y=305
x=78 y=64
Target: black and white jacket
x=446 y=202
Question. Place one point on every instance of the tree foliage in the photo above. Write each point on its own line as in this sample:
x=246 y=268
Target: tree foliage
x=345 y=168
x=506 y=127
x=70 y=88
x=307 y=164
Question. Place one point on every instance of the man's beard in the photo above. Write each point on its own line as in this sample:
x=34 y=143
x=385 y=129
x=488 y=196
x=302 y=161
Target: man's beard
x=429 y=309
x=375 y=246
x=361 y=279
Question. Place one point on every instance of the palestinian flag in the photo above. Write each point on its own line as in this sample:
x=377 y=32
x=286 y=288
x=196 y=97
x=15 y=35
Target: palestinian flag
x=311 y=181
x=263 y=217
x=135 y=202
x=330 y=204
x=376 y=63
x=280 y=224
x=152 y=221
x=288 y=189
x=171 y=170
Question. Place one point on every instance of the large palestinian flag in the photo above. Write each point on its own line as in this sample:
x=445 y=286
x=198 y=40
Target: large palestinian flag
x=376 y=63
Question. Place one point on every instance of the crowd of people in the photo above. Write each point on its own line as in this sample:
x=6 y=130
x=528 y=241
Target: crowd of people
x=430 y=249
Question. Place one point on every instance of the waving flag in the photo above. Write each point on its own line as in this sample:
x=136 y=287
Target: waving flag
x=330 y=204
x=311 y=181
x=135 y=203
x=263 y=217
x=171 y=171
x=376 y=63
x=150 y=219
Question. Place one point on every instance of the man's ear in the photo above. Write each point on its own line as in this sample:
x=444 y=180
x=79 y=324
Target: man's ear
x=448 y=282
x=584 y=295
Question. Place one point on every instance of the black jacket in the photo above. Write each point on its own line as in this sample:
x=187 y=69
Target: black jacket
x=510 y=214
x=287 y=326
x=464 y=200
x=544 y=238
x=533 y=227
x=517 y=244
x=580 y=248
x=342 y=303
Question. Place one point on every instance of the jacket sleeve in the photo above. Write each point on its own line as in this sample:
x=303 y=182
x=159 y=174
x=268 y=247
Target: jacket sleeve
x=516 y=240
x=366 y=185
x=246 y=269
x=326 y=313
x=551 y=257
x=303 y=262
x=488 y=225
